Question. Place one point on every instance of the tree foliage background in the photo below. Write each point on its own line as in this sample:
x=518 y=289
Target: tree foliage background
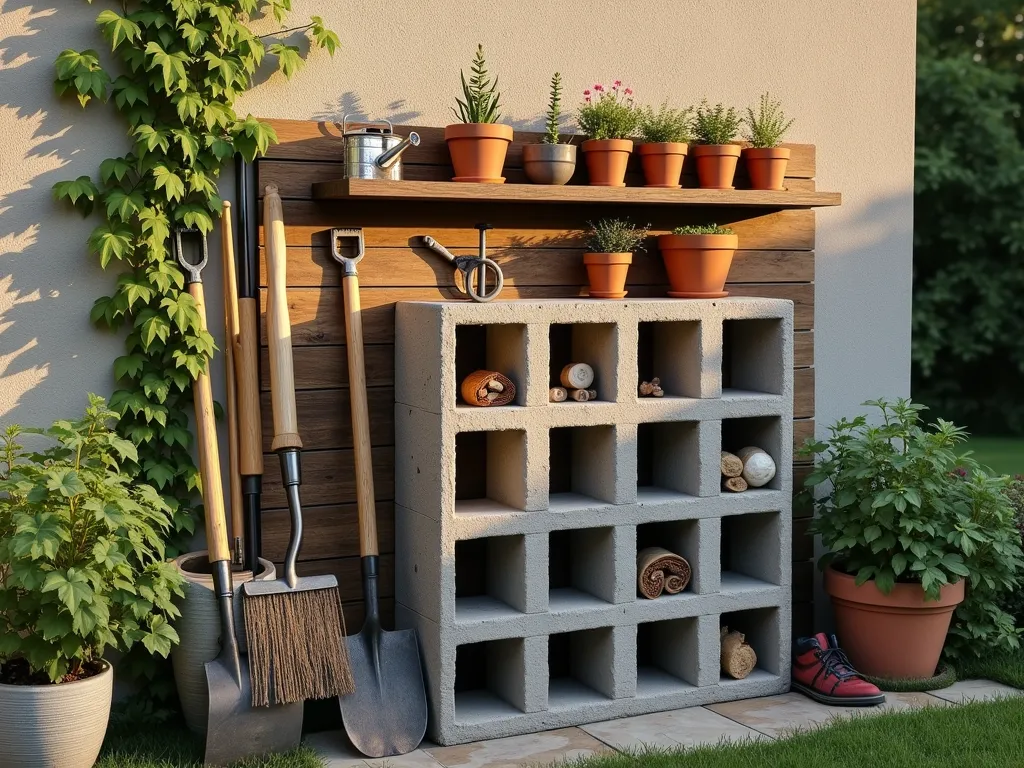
x=969 y=213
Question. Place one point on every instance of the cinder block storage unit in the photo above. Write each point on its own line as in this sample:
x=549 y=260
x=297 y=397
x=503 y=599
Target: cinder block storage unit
x=517 y=527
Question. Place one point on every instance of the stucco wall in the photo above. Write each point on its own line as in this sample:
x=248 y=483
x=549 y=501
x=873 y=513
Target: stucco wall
x=843 y=68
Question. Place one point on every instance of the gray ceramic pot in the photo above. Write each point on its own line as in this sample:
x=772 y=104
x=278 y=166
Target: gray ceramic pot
x=549 y=163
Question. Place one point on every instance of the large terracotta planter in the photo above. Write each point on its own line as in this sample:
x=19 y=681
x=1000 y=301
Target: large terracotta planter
x=55 y=726
x=899 y=635
x=697 y=265
x=606 y=161
x=767 y=167
x=716 y=165
x=607 y=274
x=478 y=150
x=662 y=163
x=549 y=163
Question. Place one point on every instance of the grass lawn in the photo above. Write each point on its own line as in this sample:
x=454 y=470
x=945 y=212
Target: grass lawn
x=1007 y=668
x=1004 y=455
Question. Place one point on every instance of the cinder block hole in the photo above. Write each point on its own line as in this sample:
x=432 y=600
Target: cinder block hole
x=490 y=471
x=668 y=458
x=763 y=432
x=582 y=466
x=751 y=546
x=489 y=680
x=761 y=629
x=670 y=351
x=490 y=577
x=752 y=356
x=592 y=343
x=499 y=348
x=666 y=656
x=581 y=568
x=580 y=668
x=680 y=537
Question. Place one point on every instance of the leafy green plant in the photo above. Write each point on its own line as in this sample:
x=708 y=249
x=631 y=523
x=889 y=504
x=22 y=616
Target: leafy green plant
x=666 y=125
x=715 y=125
x=614 y=236
x=608 y=113
x=766 y=127
x=554 y=113
x=481 y=98
x=82 y=564
x=703 y=229
x=896 y=504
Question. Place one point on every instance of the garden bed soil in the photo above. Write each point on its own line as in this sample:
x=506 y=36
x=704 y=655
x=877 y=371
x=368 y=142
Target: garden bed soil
x=18 y=672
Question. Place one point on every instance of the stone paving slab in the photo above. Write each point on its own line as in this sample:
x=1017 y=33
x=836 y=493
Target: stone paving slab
x=692 y=727
x=529 y=750
x=975 y=690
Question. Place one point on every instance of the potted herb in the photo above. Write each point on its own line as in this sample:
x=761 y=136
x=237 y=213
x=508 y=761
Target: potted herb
x=714 y=129
x=905 y=532
x=664 y=134
x=697 y=260
x=610 y=246
x=82 y=569
x=609 y=120
x=478 y=143
x=550 y=161
x=766 y=160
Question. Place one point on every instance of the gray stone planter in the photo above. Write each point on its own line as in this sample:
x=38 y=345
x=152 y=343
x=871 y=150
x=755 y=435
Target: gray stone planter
x=549 y=163
x=55 y=726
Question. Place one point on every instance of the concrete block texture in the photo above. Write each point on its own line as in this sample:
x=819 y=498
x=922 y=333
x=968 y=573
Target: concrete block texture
x=518 y=526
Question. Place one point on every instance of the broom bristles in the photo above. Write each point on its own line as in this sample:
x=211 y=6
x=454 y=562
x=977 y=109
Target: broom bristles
x=297 y=647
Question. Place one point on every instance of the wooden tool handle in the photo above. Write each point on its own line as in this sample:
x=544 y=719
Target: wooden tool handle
x=279 y=329
x=209 y=454
x=360 y=417
x=247 y=379
x=230 y=345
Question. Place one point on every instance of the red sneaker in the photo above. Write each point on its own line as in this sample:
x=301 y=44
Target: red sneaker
x=822 y=671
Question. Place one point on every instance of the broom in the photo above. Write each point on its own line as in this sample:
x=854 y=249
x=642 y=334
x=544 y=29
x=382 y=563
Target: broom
x=294 y=626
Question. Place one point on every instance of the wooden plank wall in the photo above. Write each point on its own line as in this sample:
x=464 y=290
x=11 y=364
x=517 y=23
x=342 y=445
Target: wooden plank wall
x=539 y=249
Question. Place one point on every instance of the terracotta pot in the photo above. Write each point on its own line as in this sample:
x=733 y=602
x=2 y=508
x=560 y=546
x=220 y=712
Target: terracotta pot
x=899 y=635
x=663 y=163
x=697 y=265
x=55 y=726
x=606 y=161
x=716 y=165
x=767 y=167
x=549 y=163
x=478 y=150
x=607 y=274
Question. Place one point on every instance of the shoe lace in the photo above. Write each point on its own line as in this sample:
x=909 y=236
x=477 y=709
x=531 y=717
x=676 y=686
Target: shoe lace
x=836 y=663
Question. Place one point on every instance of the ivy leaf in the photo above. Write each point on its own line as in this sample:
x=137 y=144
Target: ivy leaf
x=223 y=65
x=323 y=37
x=195 y=364
x=177 y=434
x=127 y=92
x=114 y=168
x=118 y=29
x=72 y=587
x=169 y=181
x=217 y=114
x=149 y=18
x=134 y=289
x=289 y=58
x=181 y=379
x=90 y=83
x=161 y=636
x=128 y=365
x=149 y=138
x=159 y=473
x=171 y=65
x=102 y=312
x=221 y=149
x=155 y=386
x=112 y=240
x=124 y=204
x=152 y=326
x=182 y=311
x=69 y=61
x=195 y=35
x=188 y=104
x=188 y=143
x=66 y=481
x=253 y=138
x=198 y=181
x=81 y=192
x=194 y=216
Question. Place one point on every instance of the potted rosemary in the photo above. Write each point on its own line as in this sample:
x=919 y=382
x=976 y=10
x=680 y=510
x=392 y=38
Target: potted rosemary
x=478 y=143
x=714 y=129
x=697 y=260
x=550 y=161
x=611 y=244
x=609 y=121
x=766 y=160
x=664 y=135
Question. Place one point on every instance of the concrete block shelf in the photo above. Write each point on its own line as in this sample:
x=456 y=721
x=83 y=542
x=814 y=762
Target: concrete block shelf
x=517 y=527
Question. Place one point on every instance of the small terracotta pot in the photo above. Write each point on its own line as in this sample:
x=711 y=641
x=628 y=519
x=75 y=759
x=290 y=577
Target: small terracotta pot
x=767 y=167
x=607 y=274
x=606 y=161
x=697 y=265
x=478 y=150
x=716 y=165
x=549 y=163
x=899 y=635
x=663 y=163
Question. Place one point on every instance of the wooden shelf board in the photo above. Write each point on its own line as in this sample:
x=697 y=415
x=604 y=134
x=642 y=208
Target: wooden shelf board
x=539 y=193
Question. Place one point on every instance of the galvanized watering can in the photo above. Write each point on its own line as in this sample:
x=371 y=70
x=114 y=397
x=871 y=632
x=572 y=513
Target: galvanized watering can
x=374 y=150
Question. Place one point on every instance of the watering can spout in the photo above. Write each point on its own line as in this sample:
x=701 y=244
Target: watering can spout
x=390 y=157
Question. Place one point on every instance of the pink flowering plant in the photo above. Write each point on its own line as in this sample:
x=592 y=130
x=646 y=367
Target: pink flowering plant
x=608 y=113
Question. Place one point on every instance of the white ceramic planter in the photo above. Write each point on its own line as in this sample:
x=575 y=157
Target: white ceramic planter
x=55 y=726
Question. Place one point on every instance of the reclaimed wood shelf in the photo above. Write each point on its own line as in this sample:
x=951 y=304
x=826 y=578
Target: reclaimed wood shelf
x=349 y=189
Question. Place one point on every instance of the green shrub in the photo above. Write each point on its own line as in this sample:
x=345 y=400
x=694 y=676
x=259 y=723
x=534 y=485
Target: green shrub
x=766 y=127
x=481 y=98
x=666 y=125
x=715 y=125
x=608 y=114
x=614 y=236
x=1013 y=601
x=554 y=114
x=702 y=229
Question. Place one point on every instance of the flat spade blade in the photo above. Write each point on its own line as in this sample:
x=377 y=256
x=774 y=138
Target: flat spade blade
x=387 y=714
x=234 y=728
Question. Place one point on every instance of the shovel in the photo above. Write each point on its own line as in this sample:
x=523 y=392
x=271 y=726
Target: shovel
x=387 y=714
x=234 y=730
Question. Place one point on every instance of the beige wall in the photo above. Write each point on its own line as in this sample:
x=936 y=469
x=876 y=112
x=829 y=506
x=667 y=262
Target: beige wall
x=843 y=68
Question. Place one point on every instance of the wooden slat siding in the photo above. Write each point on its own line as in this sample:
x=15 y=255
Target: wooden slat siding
x=347 y=571
x=803 y=393
x=802 y=430
x=325 y=418
x=328 y=477
x=803 y=349
x=326 y=367
x=336 y=529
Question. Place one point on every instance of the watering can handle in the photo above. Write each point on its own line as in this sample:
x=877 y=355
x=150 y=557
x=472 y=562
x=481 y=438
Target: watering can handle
x=344 y=124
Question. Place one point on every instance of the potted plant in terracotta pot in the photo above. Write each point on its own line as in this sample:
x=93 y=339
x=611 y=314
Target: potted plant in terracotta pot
x=766 y=160
x=610 y=245
x=82 y=569
x=478 y=143
x=609 y=120
x=664 y=135
x=905 y=531
x=715 y=128
x=550 y=162
x=697 y=260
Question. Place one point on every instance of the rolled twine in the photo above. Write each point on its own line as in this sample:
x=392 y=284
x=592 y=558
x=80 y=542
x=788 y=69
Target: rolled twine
x=738 y=658
x=478 y=380
x=658 y=570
